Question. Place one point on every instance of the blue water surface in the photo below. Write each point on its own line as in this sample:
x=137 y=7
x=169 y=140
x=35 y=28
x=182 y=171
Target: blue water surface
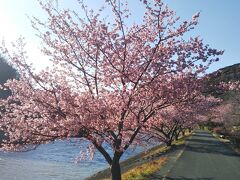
x=53 y=161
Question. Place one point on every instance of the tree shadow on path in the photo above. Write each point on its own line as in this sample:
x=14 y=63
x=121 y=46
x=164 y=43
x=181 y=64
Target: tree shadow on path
x=209 y=145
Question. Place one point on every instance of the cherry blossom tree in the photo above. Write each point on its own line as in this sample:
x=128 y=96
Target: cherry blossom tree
x=166 y=125
x=109 y=78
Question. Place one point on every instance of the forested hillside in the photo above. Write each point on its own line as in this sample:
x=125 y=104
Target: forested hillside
x=226 y=74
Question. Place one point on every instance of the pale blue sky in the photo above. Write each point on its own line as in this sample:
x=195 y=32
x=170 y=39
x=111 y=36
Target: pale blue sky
x=219 y=23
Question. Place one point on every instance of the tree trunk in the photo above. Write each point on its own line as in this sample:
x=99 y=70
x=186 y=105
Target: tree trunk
x=176 y=136
x=190 y=130
x=115 y=167
x=168 y=142
x=183 y=132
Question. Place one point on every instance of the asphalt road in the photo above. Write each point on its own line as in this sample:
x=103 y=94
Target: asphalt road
x=206 y=158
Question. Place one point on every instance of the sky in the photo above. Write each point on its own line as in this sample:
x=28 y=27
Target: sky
x=219 y=24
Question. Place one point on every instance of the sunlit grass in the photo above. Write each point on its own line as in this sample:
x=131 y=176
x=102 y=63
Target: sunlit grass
x=143 y=171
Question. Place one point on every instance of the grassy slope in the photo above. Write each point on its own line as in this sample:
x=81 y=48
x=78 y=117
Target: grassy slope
x=150 y=160
x=159 y=157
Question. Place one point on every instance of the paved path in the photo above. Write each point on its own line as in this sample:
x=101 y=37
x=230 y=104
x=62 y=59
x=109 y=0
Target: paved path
x=205 y=158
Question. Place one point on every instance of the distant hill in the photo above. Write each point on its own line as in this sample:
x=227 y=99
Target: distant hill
x=226 y=74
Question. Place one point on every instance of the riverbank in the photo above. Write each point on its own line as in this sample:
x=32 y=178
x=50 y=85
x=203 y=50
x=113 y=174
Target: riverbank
x=150 y=160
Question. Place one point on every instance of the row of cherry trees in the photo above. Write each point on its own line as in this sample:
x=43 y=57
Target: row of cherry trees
x=111 y=83
x=174 y=120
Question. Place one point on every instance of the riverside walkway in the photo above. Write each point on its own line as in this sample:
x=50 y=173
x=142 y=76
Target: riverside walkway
x=204 y=158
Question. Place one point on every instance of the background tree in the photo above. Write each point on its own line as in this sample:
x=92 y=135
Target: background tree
x=108 y=80
x=7 y=72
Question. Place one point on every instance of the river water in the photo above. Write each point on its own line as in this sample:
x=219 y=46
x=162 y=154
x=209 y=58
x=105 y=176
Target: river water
x=53 y=161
